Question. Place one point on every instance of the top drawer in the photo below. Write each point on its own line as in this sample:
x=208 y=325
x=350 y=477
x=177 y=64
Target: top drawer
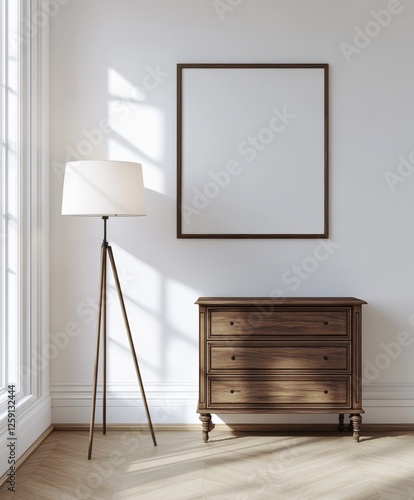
x=280 y=322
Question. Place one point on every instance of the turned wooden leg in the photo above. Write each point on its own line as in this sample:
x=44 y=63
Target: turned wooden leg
x=356 y=420
x=341 y=422
x=207 y=425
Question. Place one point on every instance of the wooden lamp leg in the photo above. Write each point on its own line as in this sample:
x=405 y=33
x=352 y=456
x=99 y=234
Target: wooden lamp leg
x=131 y=343
x=101 y=312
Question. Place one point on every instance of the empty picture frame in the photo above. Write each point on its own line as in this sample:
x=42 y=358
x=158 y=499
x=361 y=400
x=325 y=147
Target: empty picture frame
x=252 y=151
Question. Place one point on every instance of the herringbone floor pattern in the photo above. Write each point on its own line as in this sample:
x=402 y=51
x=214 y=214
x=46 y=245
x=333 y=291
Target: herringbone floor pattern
x=127 y=466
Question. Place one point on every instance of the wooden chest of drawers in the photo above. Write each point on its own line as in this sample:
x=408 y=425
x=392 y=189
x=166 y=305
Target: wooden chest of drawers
x=286 y=355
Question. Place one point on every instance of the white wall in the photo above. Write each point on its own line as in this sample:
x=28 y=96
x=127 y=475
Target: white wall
x=104 y=54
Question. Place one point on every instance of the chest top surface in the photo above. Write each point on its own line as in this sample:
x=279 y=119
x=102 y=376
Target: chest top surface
x=279 y=301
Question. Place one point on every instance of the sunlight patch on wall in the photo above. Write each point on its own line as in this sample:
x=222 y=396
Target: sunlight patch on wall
x=138 y=129
x=141 y=283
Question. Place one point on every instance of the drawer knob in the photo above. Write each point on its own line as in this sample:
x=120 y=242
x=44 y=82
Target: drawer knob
x=231 y=391
x=233 y=358
x=325 y=391
x=231 y=323
x=326 y=322
x=325 y=358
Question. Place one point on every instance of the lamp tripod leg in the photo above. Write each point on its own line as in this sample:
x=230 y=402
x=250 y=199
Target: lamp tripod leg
x=105 y=260
x=102 y=308
x=131 y=343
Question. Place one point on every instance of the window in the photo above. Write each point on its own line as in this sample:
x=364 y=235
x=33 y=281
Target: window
x=15 y=197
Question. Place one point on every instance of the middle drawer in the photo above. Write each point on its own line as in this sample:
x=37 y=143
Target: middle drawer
x=273 y=357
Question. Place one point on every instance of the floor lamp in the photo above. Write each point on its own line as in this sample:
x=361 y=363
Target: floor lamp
x=106 y=189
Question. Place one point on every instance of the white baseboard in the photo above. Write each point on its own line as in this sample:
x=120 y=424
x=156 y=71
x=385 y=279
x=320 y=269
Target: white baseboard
x=168 y=403
x=177 y=404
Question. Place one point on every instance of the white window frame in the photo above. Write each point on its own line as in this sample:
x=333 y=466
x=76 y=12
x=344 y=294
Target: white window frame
x=32 y=379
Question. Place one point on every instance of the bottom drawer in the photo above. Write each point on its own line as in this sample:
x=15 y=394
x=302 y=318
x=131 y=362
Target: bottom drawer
x=277 y=392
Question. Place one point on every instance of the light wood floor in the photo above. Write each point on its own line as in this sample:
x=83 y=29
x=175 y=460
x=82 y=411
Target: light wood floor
x=126 y=465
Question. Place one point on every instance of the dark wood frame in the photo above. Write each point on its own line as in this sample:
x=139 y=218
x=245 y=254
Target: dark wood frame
x=180 y=138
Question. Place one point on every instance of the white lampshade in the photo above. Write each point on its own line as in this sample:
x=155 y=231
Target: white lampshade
x=103 y=188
